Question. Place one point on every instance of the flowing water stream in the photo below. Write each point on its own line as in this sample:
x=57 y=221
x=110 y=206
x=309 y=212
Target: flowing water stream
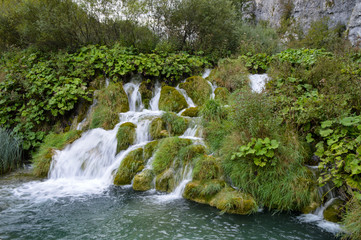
x=79 y=201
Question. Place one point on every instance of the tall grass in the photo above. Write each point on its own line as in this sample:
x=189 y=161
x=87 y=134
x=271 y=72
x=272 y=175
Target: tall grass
x=10 y=151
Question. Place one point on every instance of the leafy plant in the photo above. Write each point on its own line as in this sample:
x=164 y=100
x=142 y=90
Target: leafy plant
x=262 y=151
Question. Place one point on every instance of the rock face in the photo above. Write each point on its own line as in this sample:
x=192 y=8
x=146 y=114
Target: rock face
x=304 y=12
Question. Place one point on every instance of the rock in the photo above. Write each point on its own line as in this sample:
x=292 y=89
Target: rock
x=310 y=208
x=165 y=181
x=333 y=212
x=146 y=93
x=125 y=136
x=354 y=26
x=221 y=94
x=233 y=201
x=203 y=192
x=111 y=101
x=158 y=129
x=149 y=149
x=143 y=181
x=171 y=100
x=130 y=166
x=175 y=124
x=198 y=89
x=191 y=112
x=207 y=168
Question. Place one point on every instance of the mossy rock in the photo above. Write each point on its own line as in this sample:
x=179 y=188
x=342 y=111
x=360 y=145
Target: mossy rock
x=157 y=129
x=198 y=89
x=191 y=152
x=143 y=181
x=111 y=101
x=43 y=156
x=333 y=212
x=146 y=93
x=149 y=149
x=310 y=208
x=203 y=192
x=191 y=112
x=233 y=201
x=175 y=124
x=130 y=166
x=171 y=100
x=125 y=136
x=165 y=181
x=168 y=153
x=221 y=94
x=207 y=168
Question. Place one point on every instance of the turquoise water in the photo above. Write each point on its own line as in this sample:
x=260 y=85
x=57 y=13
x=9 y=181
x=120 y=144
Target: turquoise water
x=121 y=213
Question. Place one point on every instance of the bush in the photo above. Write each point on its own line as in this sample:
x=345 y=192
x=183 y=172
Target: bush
x=10 y=151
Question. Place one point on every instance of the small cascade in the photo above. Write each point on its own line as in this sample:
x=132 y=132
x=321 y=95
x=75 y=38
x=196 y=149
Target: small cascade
x=134 y=96
x=206 y=73
x=83 y=123
x=154 y=102
x=107 y=81
x=188 y=99
x=214 y=87
x=258 y=82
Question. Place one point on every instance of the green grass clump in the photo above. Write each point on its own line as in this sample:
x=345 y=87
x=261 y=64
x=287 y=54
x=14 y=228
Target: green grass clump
x=207 y=168
x=130 y=166
x=352 y=220
x=171 y=100
x=197 y=89
x=221 y=94
x=203 y=192
x=230 y=73
x=146 y=93
x=10 y=151
x=149 y=149
x=175 y=124
x=41 y=159
x=111 y=101
x=125 y=136
x=168 y=153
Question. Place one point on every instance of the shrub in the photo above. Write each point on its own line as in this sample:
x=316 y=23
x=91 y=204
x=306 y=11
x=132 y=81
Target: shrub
x=10 y=151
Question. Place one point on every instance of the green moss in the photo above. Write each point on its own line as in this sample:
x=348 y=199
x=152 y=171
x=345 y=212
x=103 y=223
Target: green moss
x=146 y=93
x=165 y=181
x=143 y=181
x=41 y=159
x=149 y=149
x=191 y=153
x=232 y=201
x=221 y=94
x=130 y=166
x=171 y=100
x=333 y=212
x=111 y=101
x=168 y=153
x=125 y=136
x=203 y=192
x=175 y=124
x=158 y=129
x=198 y=89
x=207 y=168
x=191 y=112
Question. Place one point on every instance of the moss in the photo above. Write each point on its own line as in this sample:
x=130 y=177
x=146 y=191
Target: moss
x=42 y=157
x=232 y=201
x=125 y=136
x=149 y=149
x=203 y=192
x=171 y=100
x=221 y=94
x=143 y=181
x=82 y=111
x=130 y=166
x=175 y=124
x=168 y=153
x=191 y=112
x=158 y=129
x=191 y=152
x=111 y=101
x=146 y=93
x=165 y=181
x=310 y=208
x=333 y=212
x=198 y=89
x=207 y=168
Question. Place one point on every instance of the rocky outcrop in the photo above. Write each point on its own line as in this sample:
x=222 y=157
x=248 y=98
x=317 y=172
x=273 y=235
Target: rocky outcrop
x=304 y=12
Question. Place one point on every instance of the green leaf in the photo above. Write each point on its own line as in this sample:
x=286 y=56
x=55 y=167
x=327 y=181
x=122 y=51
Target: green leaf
x=309 y=138
x=326 y=124
x=326 y=132
x=349 y=121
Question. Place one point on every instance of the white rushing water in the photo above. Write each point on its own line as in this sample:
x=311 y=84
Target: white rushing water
x=83 y=123
x=258 y=82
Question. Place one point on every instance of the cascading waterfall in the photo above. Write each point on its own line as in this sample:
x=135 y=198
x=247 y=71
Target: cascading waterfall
x=83 y=123
x=188 y=99
x=258 y=82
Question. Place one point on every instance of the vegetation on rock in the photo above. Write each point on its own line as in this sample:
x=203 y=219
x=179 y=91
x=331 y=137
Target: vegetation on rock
x=191 y=112
x=130 y=166
x=143 y=181
x=125 y=136
x=171 y=100
x=197 y=89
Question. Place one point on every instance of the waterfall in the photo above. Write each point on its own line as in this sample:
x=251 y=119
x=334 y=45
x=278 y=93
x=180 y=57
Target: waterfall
x=258 y=82
x=134 y=96
x=206 y=73
x=154 y=102
x=188 y=99
x=82 y=123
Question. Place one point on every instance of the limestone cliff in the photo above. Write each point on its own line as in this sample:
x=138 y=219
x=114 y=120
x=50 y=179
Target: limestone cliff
x=304 y=12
